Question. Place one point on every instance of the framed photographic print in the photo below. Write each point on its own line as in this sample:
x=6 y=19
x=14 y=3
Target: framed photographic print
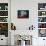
x=23 y=14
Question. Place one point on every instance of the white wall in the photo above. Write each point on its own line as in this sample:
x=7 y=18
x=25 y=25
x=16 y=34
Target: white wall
x=23 y=24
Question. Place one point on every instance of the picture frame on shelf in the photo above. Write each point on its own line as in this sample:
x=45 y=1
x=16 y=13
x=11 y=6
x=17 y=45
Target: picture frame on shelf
x=3 y=6
x=41 y=19
x=41 y=25
x=3 y=13
x=41 y=13
x=41 y=6
x=42 y=32
x=3 y=19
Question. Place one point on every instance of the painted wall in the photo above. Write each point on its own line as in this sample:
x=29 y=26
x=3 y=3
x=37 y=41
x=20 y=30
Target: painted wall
x=23 y=24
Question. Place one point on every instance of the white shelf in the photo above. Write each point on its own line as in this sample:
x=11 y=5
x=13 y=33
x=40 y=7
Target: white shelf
x=3 y=10
x=41 y=22
x=3 y=16
x=3 y=22
x=41 y=10
x=41 y=28
x=42 y=16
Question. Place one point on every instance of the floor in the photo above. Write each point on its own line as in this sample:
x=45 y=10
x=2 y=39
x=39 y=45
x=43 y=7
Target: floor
x=3 y=45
